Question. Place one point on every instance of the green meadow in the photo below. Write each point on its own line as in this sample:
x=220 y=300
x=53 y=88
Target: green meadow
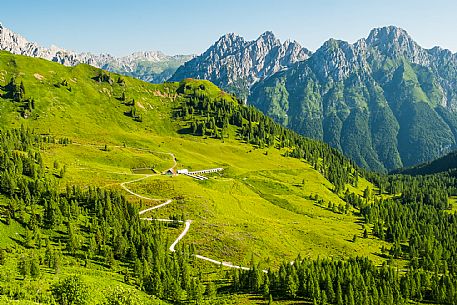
x=262 y=206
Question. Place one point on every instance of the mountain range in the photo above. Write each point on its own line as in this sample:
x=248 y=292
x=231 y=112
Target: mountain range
x=384 y=101
x=150 y=66
x=235 y=64
x=246 y=211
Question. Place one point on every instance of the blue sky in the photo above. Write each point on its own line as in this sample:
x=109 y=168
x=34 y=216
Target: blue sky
x=190 y=26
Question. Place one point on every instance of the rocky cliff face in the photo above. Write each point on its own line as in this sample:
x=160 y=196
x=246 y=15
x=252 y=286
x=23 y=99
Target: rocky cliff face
x=152 y=66
x=384 y=101
x=235 y=64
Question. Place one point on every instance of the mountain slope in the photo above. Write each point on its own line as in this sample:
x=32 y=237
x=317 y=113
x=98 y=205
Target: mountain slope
x=384 y=101
x=443 y=164
x=118 y=123
x=153 y=66
x=235 y=64
x=86 y=162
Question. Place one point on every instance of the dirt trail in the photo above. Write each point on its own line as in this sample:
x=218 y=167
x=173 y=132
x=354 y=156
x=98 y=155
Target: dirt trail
x=187 y=223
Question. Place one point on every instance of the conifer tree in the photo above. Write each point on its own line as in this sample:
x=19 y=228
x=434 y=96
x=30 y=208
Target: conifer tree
x=211 y=290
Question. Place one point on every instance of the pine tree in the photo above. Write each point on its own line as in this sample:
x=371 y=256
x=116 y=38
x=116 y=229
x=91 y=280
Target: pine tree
x=192 y=291
x=93 y=247
x=324 y=300
x=74 y=242
x=48 y=254
x=330 y=293
x=350 y=295
x=138 y=268
x=62 y=171
x=57 y=263
x=339 y=294
x=34 y=267
x=2 y=257
x=266 y=287
x=292 y=286
x=199 y=292
x=211 y=290
x=24 y=266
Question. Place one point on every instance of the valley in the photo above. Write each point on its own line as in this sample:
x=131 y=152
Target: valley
x=264 y=206
x=91 y=214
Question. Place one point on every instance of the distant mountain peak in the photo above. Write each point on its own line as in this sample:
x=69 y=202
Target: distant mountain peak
x=268 y=35
x=331 y=43
x=390 y=32
x=396 y=42
x=229 y=37
x=236 y=64
x=138 y=64
x=391 y=37
x=385 y=101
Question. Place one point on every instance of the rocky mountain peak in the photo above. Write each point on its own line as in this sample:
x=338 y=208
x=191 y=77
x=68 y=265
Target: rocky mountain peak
x=388 y=34
x=395 y=42
x=268 y=36
x=153 y=66
x=266 y=42
x=236 y=64
x=228 y=41
x=337 y=59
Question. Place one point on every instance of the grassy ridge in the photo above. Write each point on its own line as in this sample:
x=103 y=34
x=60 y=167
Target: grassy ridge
x=262 y=205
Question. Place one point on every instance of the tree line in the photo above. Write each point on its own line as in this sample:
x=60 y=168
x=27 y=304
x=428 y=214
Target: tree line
x=213 y=116
x=92 y=225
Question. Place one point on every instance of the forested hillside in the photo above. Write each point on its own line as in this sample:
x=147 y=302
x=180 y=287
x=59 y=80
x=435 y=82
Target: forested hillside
x=447 y=163
x=384 y=101
x=288 y=219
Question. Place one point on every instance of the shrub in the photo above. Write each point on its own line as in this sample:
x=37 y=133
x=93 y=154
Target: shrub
x=71 y=291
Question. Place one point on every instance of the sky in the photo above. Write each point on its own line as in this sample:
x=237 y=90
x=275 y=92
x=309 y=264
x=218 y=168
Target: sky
x=191 y=26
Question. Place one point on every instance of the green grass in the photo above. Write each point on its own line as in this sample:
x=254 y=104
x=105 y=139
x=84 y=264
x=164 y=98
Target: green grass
x=100 y=281
x=258 y=206
x=10 y=233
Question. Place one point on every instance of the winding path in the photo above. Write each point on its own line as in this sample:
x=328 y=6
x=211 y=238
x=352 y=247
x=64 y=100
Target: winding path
x=187 y=223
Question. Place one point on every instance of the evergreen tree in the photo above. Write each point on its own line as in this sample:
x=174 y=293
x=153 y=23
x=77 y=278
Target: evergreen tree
x=24 y=266
x=211 y=290
x=292 y=286
x=2 y=257
x=34 y=267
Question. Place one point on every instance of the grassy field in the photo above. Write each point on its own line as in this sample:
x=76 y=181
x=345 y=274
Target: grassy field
x=260 y=206
x=100 y=282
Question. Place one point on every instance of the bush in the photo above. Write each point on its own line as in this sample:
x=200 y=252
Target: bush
x=71 y=291
x=122 y=296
